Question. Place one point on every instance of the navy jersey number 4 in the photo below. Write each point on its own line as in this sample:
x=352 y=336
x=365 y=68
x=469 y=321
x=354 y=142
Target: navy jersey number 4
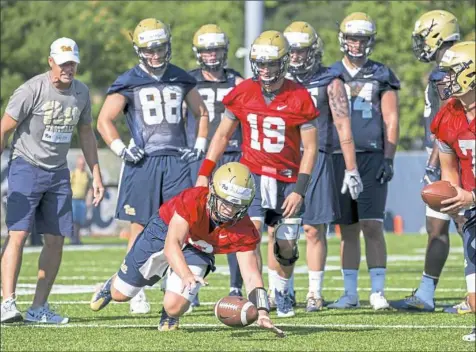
x=364 y=91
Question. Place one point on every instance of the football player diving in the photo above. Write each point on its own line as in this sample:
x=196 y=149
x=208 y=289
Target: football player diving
x=181 y=241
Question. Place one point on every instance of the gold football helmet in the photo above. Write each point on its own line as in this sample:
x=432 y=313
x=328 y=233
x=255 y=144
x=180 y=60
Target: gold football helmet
x=151 y=35
x=459 y=64
x=357 y=25
x=210 y=37
x=270 y=48
x=431 y=30
x=232 y=185
x=301 y=35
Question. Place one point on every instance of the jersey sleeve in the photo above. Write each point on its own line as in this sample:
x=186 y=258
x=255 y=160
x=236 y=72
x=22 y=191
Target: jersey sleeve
x=308 y=110
x=391 y=81
x=21 y=103
x=120 y=85
x=187 y=205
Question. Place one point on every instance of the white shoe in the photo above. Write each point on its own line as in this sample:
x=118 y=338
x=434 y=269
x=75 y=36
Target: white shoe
x=139 y=304
x=345 y=302
x=378 y=301
x=471 y=337
x=44 y=315
x=10 y=312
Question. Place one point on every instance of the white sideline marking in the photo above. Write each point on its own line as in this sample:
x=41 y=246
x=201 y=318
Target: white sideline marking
x=355 y=326
x=28 y=289
x=82 y=248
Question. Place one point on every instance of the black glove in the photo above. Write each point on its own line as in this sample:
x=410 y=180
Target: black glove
x=432 y=174
x=385 y=172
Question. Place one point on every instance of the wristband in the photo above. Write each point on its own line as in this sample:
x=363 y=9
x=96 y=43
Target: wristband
x=117 y=146
x=207 y=168
x=200 y=143
x=259 y=297
x=302 y=183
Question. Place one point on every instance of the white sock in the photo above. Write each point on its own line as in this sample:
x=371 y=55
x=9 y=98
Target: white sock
x=350 y=281
x=377 y=279
x=272 y=274
x=316 y=279
x=282 y=284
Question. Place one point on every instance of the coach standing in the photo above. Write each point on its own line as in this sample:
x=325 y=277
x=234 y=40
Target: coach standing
x=43 y=113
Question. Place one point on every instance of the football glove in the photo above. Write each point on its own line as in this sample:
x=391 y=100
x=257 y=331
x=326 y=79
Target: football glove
x=131 y=154
x=432 y=174
x=352 y=183
x=198 y=151
x=385 y=172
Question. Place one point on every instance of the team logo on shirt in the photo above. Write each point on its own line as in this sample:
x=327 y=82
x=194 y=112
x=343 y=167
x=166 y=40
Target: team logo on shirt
x=59 y=122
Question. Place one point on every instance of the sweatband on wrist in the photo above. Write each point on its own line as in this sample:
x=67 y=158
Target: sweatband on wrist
x=200 y=143
x=302 y=183
x=207 y=168
x=259 y=297
x=117 y=146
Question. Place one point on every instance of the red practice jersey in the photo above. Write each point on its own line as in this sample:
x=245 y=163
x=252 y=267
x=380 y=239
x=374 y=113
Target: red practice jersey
x=451 y=126
x=191 y=205
x=271 y=133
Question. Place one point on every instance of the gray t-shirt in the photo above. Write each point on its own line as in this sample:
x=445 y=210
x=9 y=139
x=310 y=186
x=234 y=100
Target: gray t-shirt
x=46 y=119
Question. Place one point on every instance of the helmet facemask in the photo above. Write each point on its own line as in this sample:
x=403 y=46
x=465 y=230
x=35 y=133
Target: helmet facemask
x=365 y=43
x=216 y=203
x=270 y=78
x=164 y=51
x=449 y=85
x=220 y=61
x=303 y=64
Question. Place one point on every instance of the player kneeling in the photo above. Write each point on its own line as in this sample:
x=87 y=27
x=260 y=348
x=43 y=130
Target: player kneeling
x=181 y=241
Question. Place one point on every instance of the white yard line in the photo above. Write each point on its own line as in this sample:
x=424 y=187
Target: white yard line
x=27 y=289
x=193 y=325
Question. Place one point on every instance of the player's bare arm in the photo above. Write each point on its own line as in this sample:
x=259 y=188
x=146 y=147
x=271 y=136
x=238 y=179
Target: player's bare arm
x=7 y=126
x=449 y=172
x=111 y=109
x=199 y=110
x=178 y=230
x=310 y=141
x=88 y=143
x=218 y=145
x=391 y=123
x=249 y=267
x=339 y=105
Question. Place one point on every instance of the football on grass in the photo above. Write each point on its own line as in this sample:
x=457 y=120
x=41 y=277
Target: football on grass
x=236 y=311
x=435 y=192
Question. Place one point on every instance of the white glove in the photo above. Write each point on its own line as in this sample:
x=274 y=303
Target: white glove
x=198 y=151
x=132 y=154
x=352 y=183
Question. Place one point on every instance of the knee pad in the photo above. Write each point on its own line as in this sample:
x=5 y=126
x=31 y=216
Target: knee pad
x=174 y=282
x=287 y=229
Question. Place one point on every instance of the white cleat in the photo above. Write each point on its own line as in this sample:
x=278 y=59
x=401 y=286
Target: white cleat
x=471 y=337
x=345 y=302
x=10 y=312
x=378 y=301
x=139 y=304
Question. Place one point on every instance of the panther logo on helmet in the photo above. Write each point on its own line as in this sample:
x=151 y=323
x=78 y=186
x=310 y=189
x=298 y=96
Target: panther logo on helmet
x=232 y=186
x=431 y=30
x=459 y=63
x=213 y=41
x=271 y=48
x=152 y=37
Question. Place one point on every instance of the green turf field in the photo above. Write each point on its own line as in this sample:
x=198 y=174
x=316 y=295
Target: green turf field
x=361 y=329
